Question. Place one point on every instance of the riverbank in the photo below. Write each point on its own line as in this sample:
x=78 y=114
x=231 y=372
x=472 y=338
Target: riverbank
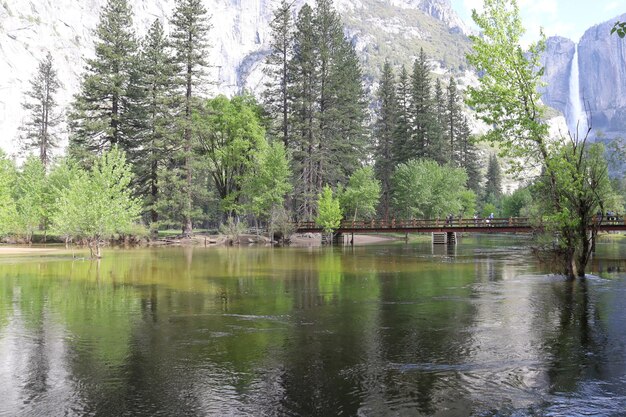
x=27 y=250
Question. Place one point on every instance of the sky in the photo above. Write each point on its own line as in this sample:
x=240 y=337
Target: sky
x=568 y=18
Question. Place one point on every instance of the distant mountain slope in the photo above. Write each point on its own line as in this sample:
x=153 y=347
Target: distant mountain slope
x=380 y=29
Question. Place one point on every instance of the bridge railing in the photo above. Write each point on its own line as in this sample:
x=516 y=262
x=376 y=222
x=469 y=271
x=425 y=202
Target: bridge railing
x=425 y=223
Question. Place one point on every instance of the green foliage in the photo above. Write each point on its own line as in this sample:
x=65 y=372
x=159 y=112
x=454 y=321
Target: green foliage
x=233 y=228
x=31 y=198
x=276 y=95
x=518 y=203
x=493 y=187
x=384 y=134
x=8 y=209
x=619 y=28
x=268 y=180
x=507 y=97
x=328 y=109
x=98 y=203
x=360 y=197
x=230 y=136
x=574 y=181
x=329 y=212
x=42 y=115
x=425 y=189
x=489 y=209
x=468 y=203
x=102 y=111
x=155 y=118
x=190 y=29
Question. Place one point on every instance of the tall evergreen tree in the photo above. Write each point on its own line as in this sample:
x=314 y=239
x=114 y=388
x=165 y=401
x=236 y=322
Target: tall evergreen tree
x=329 y=107
x=276 y=96
x=99 y=118
x=421 y=108
x=190 y=28
x=493 y=187
x=454 y=120
x=303 y=91
x=402 y=132
x=384 y=135
x=42 y=115
x=338 y=68
x=469 y=157
x=156 y=68
x=437 y=147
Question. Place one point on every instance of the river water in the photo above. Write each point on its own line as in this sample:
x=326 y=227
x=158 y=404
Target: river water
x=394 y=330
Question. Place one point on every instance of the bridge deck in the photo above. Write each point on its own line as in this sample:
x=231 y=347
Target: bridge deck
x=500 y=225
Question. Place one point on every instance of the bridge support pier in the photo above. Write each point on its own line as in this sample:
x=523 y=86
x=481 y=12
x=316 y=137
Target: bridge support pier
x=444 y=238
x=332 y=239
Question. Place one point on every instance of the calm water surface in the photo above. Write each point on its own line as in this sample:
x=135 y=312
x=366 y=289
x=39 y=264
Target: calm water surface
x=395 y=330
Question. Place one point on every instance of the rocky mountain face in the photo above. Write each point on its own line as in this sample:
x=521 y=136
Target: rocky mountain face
x=379 y=28
x=602 y=78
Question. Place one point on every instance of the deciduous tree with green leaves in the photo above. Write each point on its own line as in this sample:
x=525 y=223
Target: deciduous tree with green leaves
x=30 y=197
x=424 y=189
x=8 y=209
x=268 y=181
x=229 y=134
x=329 y=212
x=507 y=99
x=361 y=195
x=98 y=203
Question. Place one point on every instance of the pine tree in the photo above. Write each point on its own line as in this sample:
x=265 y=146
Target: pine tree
x=276 y=96
x=345 y=141
x=42 y=116
x=469 y=157
x=384 y=134
x=437 y=149
x=190 y=28
x=303 y=91
x=402 y=132
x=421 y=112
x=493 y=188
x=156 y=69
x=328 y=104
x=453 y=125
x=99 y=117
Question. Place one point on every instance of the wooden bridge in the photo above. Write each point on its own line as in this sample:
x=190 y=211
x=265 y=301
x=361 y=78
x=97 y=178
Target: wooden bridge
x=456 y=225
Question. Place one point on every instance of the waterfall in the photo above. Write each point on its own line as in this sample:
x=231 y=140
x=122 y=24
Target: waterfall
x=576 y=117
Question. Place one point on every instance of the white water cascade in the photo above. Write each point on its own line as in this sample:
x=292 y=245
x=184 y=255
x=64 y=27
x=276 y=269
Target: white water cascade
x=576 y=117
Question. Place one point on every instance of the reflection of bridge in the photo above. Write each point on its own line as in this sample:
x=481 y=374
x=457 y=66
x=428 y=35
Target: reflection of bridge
x=450 y=226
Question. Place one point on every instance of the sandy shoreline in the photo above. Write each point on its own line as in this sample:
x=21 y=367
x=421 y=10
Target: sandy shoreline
x=26 y=250
x=314 y=239
x=296 y=241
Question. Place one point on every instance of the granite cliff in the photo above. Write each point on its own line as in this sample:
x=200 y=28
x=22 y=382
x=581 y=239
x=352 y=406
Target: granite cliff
x=239 y=38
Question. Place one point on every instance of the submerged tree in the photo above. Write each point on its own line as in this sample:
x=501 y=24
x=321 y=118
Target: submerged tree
x=41 y=107
x=507 y=99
